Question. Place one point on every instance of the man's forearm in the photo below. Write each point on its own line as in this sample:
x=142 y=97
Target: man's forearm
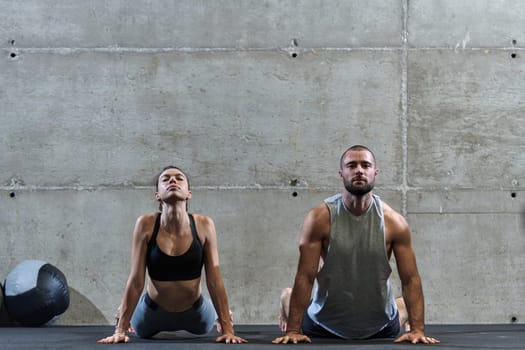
x=414 y=300
x=299 y=299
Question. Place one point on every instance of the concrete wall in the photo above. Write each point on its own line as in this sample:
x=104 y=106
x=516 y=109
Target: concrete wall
x=257 y=100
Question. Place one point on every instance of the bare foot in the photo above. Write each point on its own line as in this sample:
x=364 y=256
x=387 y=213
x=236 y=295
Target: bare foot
x=403 y=314
x=283 y=322
x=284 y=308
x=218 y=324
x=117 y=318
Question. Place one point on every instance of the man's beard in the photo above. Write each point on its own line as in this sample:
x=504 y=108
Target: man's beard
x=358 y=191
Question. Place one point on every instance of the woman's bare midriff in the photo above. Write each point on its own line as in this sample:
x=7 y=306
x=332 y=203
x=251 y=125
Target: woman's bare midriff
x=175 y=296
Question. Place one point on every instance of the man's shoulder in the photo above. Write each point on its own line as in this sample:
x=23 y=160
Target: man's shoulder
x=320 y=210
x=332 y=199
x=318 y=217
x=393 y=219
x=387 y=209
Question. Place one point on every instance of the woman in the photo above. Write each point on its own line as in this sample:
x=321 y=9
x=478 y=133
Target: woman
x=173 y=245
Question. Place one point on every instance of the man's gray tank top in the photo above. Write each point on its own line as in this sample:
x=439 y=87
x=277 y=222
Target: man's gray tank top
x=352 y=296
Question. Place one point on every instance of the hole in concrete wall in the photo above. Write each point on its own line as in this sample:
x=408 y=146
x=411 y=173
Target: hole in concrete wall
x=295 y=42
x=12 y=195
x=13 y=55
x=294 y=194
x=294 y=55
x=514 y=41
x=294 y=182
x=513 y=319
x=513 y=194
x=513 y=55
x=12 y=42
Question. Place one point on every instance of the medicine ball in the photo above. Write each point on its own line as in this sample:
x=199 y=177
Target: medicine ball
x=35 y=293
x=1 y=296
x=4 y=317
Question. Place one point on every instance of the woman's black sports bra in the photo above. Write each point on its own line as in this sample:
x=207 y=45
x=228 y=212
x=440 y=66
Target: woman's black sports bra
x=164 y=267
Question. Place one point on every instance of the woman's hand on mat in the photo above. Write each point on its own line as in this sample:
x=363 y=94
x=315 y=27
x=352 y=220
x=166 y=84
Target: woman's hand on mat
x=292 y=337
x=416 y=337
x=115 y=338
x=229 y=338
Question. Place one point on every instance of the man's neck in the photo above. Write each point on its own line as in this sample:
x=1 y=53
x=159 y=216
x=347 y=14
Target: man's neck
x=357 y=205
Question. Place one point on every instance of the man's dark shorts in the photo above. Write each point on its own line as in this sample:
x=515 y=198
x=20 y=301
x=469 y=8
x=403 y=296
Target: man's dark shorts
x=312 y=329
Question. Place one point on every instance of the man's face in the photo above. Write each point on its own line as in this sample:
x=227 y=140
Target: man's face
x=358 y=172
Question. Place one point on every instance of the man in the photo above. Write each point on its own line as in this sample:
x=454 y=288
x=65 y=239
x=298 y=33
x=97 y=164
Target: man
x=345 y=246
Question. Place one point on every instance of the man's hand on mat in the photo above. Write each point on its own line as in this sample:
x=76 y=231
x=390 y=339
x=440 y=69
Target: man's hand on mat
x=115 y=338
x=229 y=338
x=292 y=337
x=416 y=337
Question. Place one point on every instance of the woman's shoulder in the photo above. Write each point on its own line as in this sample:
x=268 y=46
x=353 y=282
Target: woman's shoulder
x=148 y=218
x=145 y=223
x=205 y=227
x=202 y=220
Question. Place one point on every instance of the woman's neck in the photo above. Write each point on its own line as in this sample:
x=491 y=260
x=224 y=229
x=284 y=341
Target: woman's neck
x=174 y=218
